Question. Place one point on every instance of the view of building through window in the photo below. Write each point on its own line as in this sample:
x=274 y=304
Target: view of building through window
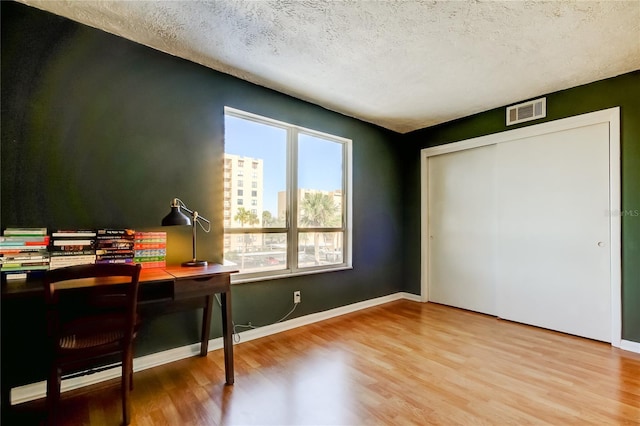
x=284 y=196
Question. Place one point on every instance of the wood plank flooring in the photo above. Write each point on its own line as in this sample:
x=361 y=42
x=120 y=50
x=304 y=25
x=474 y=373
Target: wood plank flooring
x=402 y=363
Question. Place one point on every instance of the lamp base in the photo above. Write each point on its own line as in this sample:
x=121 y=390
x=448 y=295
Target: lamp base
x=195 y=263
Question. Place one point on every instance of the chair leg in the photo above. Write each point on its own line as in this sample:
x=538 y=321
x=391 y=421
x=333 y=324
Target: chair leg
x=6 y=407
x=131 y=370
x=53 y=395
x=127 y=381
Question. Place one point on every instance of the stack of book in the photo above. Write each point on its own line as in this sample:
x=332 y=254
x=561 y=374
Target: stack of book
x=115 y=245
x=151 y=249
x=69 y=248
x=23 y=252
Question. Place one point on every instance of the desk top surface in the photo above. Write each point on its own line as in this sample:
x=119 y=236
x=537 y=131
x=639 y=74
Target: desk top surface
x=197 y=271
x=147 y=276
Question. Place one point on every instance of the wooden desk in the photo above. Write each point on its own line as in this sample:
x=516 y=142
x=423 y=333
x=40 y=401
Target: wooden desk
x=169 y=285
x=190 y=282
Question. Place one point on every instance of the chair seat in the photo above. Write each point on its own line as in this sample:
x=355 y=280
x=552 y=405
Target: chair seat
x=94 y=332
x=76 y=341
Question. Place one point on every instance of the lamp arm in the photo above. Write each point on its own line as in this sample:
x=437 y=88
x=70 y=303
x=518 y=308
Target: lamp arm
x=199 y=219
x=177 y=202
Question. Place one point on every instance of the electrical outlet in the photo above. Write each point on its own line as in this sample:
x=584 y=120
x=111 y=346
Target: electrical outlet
x=296 y=297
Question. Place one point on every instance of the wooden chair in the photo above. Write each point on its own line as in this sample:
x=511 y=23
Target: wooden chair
x=91 y=319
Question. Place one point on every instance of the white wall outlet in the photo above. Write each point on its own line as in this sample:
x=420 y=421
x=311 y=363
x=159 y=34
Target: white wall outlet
x=296 y=297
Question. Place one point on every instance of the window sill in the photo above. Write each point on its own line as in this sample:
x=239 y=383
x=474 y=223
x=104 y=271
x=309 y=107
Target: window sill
x=284 y=274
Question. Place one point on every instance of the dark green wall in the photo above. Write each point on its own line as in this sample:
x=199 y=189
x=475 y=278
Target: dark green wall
x=98 y=131
x=622 y=91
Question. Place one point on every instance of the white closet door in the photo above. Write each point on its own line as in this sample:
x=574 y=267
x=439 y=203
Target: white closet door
x=461 y=208
x=553 y=231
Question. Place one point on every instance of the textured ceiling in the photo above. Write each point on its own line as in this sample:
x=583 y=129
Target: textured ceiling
x=403 y=65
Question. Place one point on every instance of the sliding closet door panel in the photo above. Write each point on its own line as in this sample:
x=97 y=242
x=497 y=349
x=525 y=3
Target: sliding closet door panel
x=553 y=231
x=461 y=206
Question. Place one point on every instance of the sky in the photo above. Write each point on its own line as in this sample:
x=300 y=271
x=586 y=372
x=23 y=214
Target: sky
x=319 y=160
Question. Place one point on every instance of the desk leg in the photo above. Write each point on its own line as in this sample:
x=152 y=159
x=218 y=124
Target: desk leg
x=206 y=326
x=227 y=336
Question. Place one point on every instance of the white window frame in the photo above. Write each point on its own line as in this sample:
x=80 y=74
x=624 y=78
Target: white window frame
x=291 y=229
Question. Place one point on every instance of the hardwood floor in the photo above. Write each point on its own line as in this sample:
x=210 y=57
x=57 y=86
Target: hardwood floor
x=402 y=363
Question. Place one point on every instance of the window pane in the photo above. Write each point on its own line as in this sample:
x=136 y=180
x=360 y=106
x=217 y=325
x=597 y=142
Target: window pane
x=256 y=154
x=264 y=183
x=319 y=248
x=320 y=182
x=256 y=252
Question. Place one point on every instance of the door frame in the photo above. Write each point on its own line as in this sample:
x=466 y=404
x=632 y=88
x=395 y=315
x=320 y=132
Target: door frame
x=610 y=116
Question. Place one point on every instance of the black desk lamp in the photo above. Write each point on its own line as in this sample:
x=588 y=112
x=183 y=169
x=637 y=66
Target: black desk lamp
x=176 y=217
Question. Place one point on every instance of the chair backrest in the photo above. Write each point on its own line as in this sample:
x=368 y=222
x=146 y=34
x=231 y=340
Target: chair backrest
x=90 y=299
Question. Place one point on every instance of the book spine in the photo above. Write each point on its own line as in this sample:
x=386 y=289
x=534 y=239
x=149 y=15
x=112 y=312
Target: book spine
x=63 y=259
x=148 y=265
x=7 y=265
x=103 y=261
x=17 y=249
x=25 y=231
x=145 y=234
x=145 y=246
x=74 y=234
x=23 y=258
x=114 y=251
x=65 y=253
x=71 y=242
x=62 y=249
x=151 y=252
x=25 y=268
x=149 y=259
x=11 y=276
x=116 y=232
x=24 y=240
x=114 y=256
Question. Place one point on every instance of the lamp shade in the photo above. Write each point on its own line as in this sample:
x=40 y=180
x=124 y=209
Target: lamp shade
x=176 y=217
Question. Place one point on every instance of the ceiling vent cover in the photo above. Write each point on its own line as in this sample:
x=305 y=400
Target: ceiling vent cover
x=527 y=111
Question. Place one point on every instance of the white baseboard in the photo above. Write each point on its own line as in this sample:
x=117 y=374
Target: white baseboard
x=630 y=346
x=37 y=390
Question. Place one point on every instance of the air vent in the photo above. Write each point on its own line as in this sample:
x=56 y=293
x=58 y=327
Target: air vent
x=527 y=111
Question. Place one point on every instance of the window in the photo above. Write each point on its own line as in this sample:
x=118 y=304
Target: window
x=240 y=192
x=299 y=221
